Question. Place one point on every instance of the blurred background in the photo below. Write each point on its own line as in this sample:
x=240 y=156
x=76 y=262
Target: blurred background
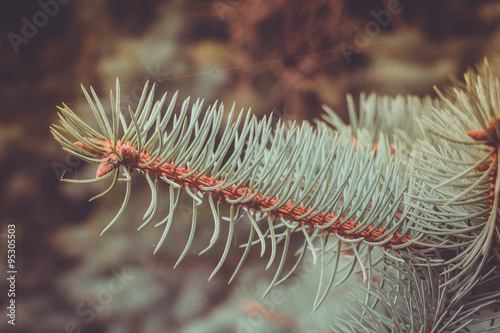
x=285 y=57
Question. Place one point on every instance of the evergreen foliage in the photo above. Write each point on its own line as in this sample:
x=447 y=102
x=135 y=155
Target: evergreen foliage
x=415 y=178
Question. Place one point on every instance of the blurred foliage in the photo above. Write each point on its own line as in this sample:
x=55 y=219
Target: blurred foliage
x=280 y=55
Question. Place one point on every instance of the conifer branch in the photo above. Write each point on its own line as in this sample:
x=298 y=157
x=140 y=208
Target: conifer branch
x=313 y=181
x=412 y=301
x=415 y=178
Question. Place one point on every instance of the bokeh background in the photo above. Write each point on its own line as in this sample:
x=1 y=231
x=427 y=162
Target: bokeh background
x=285 y=57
